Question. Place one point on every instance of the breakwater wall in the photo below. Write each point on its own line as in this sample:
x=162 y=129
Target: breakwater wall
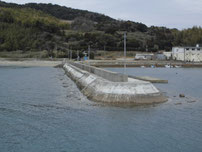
x=99 y=89
x=139 y=63
x=108 y=75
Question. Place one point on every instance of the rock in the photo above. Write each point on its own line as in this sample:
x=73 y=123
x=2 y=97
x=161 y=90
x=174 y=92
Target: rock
x=178 y=103
x=181 y=95
x=191 y=101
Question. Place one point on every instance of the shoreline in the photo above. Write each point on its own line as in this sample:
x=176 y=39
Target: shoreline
x=47 y=62
x=29 y=62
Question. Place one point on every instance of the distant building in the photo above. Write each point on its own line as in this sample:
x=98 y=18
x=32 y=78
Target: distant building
x=159 y=56
x=144 y=56
x=190 y=54
x=168 y=55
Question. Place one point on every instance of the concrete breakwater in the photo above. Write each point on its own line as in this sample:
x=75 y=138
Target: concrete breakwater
x=108 y=75
x=145 y=63
x=102 y=89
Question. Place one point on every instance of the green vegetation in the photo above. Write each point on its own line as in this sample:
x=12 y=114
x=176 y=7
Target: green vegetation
x=51 y=30
x=188 y=37
x=26 y=29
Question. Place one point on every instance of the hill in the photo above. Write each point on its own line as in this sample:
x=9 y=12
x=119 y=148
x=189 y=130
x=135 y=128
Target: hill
x=27 y=29
x=51 y=27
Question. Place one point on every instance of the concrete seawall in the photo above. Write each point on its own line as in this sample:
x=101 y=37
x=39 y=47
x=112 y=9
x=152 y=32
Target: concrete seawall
x=139 y=63
x=99 y=89
x=108 y=75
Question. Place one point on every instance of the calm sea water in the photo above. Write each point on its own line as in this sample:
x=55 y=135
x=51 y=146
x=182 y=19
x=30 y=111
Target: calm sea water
x=41 y=110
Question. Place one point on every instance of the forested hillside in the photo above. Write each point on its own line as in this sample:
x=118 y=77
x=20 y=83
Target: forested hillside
x=47 y=27
x=27 y=29
x=188 y=37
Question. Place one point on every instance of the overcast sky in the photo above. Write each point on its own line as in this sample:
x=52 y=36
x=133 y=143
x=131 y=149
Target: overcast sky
x=170 y=13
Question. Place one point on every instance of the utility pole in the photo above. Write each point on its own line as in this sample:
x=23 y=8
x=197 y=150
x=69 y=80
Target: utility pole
x=105 y=51
x=70 y=54
x=125 y=52
x=77 y=55
x=89 y=57
x=88 y=52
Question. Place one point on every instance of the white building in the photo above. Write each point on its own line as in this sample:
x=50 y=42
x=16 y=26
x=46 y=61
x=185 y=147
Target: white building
x=144 y=56
x=168 y=55
x=190 y=54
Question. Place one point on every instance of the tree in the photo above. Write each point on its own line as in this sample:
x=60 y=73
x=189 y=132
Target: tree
x=82 y=24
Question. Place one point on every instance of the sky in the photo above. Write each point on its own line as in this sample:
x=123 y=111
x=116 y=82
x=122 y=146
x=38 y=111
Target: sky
x=179 y=14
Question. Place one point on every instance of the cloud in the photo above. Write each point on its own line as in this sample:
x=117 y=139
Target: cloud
x=192 y=6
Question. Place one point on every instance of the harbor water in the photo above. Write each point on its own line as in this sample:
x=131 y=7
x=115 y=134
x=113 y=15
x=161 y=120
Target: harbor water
x=42 y=110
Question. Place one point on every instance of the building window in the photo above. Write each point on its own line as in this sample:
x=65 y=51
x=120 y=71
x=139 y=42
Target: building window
x=198 y=49
x=187 y=49
x=193 y=49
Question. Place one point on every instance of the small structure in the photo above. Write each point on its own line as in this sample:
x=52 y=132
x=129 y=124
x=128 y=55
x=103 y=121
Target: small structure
x=168 y=55
x=190 y=54
x=85 y=56
x=160 y=56
x=144 y=56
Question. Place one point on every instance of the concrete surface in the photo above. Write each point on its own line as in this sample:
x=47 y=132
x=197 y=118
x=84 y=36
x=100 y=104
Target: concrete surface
x=149 y=79
x=139 y=63
x=111 y=76
x=101 y=90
